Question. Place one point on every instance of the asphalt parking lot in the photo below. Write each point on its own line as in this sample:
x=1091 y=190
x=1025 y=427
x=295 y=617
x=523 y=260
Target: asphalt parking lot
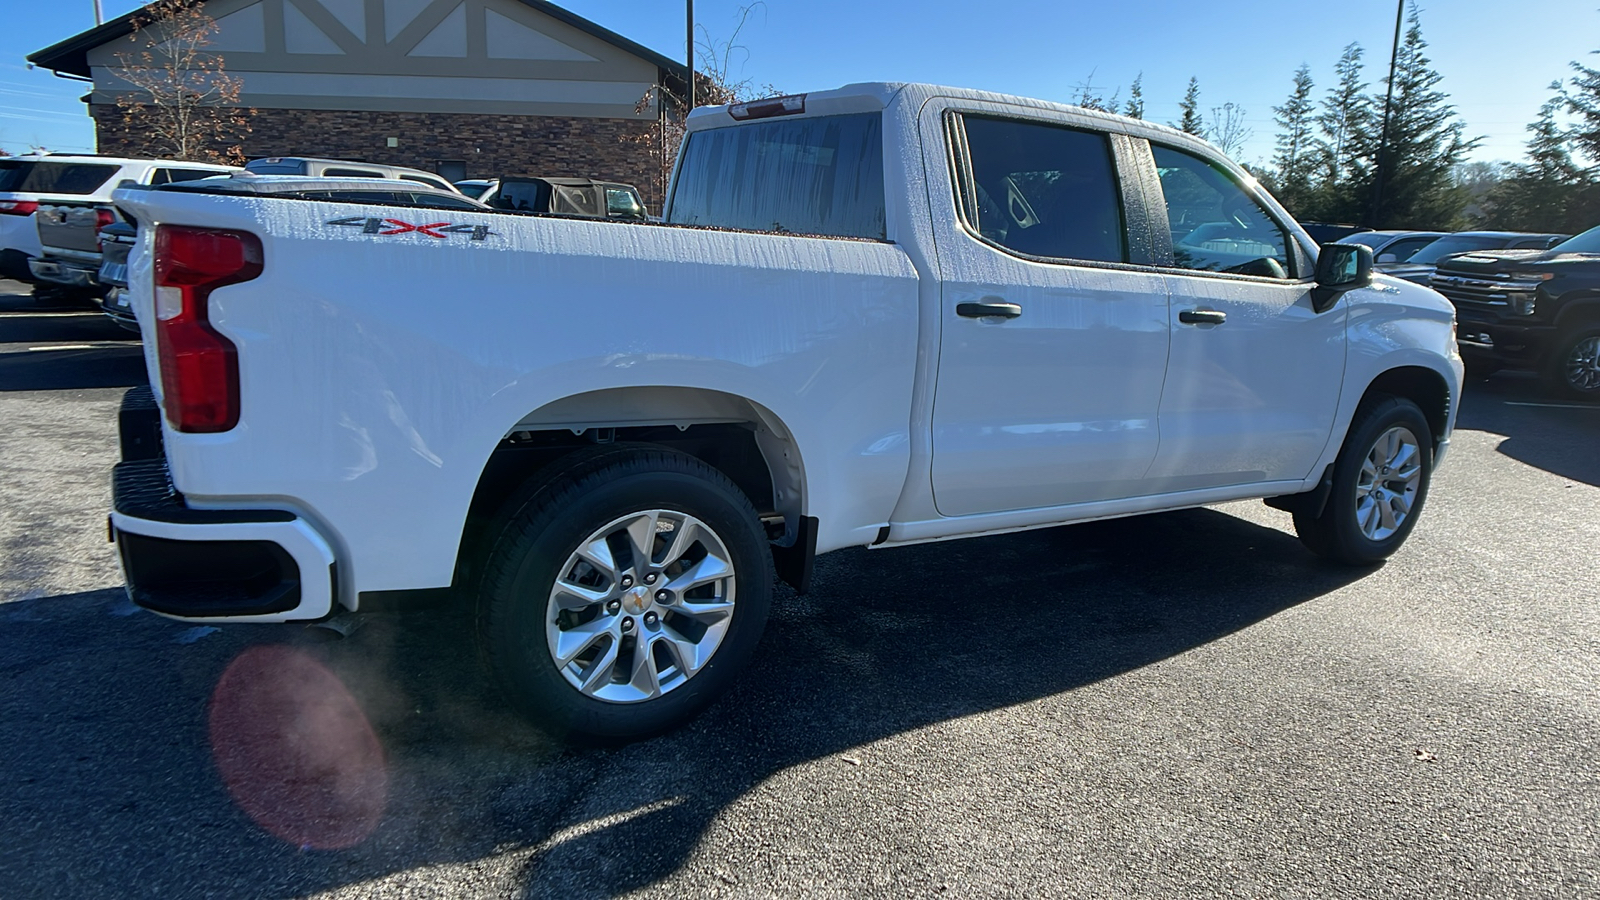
x=1184 y=705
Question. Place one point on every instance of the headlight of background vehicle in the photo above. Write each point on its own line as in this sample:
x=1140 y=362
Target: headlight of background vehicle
x=1522 y=293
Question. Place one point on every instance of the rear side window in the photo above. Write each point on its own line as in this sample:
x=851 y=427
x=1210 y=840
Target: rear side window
x=820 y=176
x=574 y=201
x=169 y=176
x=55 y=177
x=1043 y=190
x=521 y=196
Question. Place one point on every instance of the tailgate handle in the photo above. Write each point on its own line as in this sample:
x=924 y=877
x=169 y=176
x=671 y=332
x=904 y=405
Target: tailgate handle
x=1202 y=317
x=990 y=307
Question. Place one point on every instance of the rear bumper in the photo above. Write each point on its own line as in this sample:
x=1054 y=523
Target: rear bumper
x=56 y=271
x=233 y=565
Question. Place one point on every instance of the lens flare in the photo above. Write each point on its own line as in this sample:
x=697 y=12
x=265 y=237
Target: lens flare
x=295 y=750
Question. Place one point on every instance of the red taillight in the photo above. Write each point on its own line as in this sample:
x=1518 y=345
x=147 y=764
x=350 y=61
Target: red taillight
x=102 y=218
x=199 y=367
x=18 y=207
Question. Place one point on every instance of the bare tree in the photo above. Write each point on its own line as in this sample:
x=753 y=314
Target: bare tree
x=714 y=85
x=1227 y=129
x=183 y=105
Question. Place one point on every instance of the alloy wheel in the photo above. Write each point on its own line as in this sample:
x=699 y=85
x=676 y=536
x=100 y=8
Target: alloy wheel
x=1386 y=488
x=1582 y=365
x=640 y=606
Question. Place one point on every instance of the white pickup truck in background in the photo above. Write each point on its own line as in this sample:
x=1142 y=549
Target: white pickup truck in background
x=880 y=315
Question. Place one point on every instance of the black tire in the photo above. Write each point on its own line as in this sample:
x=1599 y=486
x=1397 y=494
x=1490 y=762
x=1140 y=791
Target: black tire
x=540 y=535
x=1570 y=372
x=1336 y=533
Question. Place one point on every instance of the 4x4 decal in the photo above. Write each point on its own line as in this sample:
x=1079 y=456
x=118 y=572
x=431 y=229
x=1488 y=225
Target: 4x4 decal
x=385 y=227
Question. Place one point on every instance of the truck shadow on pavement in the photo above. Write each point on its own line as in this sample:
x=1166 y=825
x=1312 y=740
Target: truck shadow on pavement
x=1551 y=433
x=111 y=786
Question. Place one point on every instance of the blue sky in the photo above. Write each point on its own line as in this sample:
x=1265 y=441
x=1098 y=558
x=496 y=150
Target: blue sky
x=1497 y=58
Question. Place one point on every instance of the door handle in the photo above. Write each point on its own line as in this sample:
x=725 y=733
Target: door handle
x=986 y=309
x=1202 y=317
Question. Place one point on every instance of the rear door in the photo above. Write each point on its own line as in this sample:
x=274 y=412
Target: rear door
x=1054 y=331
x=1254 y=376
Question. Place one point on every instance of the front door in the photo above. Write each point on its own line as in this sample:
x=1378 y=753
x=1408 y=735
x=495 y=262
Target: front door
x=1053 y=346
x=1254 y=375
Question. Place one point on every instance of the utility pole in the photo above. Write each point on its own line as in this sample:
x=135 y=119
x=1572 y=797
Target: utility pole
x=690 y=42
x=1388 y=102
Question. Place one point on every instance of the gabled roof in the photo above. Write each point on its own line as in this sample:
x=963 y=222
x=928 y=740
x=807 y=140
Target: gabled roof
x=72 y=55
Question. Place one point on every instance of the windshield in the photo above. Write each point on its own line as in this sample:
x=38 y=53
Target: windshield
x=473 y=189
x=1588 y=242
x=1455 y=243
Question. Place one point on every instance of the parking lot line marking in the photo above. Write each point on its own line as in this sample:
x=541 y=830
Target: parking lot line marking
x=62 y=347
x=1554 y=405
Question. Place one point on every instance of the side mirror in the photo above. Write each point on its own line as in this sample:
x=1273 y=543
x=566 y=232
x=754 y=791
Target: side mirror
x=1388 y=258
x=1340 y=268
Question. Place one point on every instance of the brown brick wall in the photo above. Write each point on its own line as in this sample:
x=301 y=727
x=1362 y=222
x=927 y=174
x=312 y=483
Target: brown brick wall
x=489 y=145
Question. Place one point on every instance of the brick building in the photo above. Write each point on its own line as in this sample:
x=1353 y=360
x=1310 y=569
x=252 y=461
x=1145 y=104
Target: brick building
x=465 y=88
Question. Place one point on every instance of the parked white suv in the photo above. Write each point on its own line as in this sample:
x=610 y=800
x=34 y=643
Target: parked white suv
x=875 y=316
x=45 y=180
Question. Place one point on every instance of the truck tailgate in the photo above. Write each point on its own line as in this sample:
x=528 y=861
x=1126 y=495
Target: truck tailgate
x=72 y=228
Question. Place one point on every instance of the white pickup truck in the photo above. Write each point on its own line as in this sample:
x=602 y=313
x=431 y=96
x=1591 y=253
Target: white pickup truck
x=874 y=316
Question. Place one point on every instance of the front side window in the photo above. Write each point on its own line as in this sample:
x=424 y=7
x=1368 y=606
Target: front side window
x=623 y=204
x=1216 y=226
x=1044 y=190
x=817 y=176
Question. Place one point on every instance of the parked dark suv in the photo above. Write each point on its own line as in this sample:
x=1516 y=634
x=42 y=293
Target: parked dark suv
x=1530 y=309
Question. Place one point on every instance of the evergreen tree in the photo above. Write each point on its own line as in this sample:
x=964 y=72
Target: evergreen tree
x=1190 y=121
x=1550 y=192
x=1582 y=100
x=1425 y=143
x=1293 y=163
x=1345 y=136
x=1135 y=105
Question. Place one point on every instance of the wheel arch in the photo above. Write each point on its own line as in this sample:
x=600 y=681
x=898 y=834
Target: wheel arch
x=1579 y=308
x=739 y=437
x=1425 y=387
